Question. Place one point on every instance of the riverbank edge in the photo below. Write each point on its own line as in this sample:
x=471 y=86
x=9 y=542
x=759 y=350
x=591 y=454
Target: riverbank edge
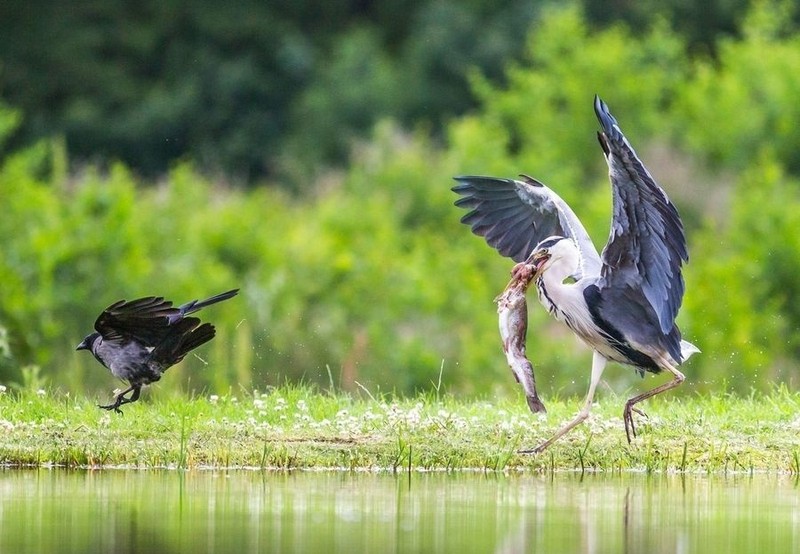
x=303 y=428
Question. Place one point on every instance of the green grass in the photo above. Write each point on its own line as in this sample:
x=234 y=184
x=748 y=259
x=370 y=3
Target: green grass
x=301 y=427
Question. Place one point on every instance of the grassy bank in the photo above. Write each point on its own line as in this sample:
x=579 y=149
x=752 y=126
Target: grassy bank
x=301 y=427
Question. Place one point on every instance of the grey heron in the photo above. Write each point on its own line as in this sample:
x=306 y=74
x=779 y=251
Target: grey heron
x=623 y=303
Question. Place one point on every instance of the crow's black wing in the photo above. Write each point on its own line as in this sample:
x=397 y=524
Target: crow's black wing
x=145 y=320
x=186 y=335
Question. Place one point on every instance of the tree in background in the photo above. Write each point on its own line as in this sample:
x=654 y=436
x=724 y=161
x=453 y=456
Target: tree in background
x=370 y=277
x=273 y=89
x=228 y=85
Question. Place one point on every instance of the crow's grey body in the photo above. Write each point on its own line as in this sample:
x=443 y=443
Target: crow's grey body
x=128 y=360
x=622 y=303
x=139 y=340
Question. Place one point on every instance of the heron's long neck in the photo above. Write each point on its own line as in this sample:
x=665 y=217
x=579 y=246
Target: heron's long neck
x=561 y=299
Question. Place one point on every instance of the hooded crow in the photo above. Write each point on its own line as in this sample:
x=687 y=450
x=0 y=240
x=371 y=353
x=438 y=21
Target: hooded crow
x=139 y=340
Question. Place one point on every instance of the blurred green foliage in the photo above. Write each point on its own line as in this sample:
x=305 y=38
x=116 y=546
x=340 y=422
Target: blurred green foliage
x=277 y=89
x=244 y=88
x=368 y=277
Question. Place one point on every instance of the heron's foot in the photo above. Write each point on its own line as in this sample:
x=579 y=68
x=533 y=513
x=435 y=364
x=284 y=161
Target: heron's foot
x=541 y=448
x=538 y=450
x=627 y=417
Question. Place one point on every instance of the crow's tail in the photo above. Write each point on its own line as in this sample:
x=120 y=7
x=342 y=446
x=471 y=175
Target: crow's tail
x=184 y=337
x=196 y=305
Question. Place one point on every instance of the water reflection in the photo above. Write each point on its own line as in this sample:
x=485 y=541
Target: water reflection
x=139 y=511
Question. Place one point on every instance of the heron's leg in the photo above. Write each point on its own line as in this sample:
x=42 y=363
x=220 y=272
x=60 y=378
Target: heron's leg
x=627 y=415
x=598 y=365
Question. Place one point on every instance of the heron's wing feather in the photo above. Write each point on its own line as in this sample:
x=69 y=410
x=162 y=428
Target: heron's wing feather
x=646 y=247
x=622 y=319
x=514 y=216
x=145 y=320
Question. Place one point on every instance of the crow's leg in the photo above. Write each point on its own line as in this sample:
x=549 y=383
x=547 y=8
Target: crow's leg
x=120 y=399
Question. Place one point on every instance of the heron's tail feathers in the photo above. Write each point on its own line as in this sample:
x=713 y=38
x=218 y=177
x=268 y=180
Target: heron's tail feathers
x=687 y=349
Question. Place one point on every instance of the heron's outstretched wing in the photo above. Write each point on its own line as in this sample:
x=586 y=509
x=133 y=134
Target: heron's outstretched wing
x=646 y=246
x=145 y=320
x=514 y=216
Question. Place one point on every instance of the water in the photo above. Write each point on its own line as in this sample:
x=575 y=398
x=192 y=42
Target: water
x=168 y=511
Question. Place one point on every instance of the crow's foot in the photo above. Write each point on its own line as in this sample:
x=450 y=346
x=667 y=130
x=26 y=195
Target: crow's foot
x=115 y=406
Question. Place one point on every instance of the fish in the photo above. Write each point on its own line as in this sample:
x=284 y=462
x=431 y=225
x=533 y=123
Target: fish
x=512 y=310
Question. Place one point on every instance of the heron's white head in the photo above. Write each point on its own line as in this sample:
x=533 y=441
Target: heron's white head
x=555 y=254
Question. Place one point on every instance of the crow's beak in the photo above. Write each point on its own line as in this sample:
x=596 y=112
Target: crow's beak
x=84 y=345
